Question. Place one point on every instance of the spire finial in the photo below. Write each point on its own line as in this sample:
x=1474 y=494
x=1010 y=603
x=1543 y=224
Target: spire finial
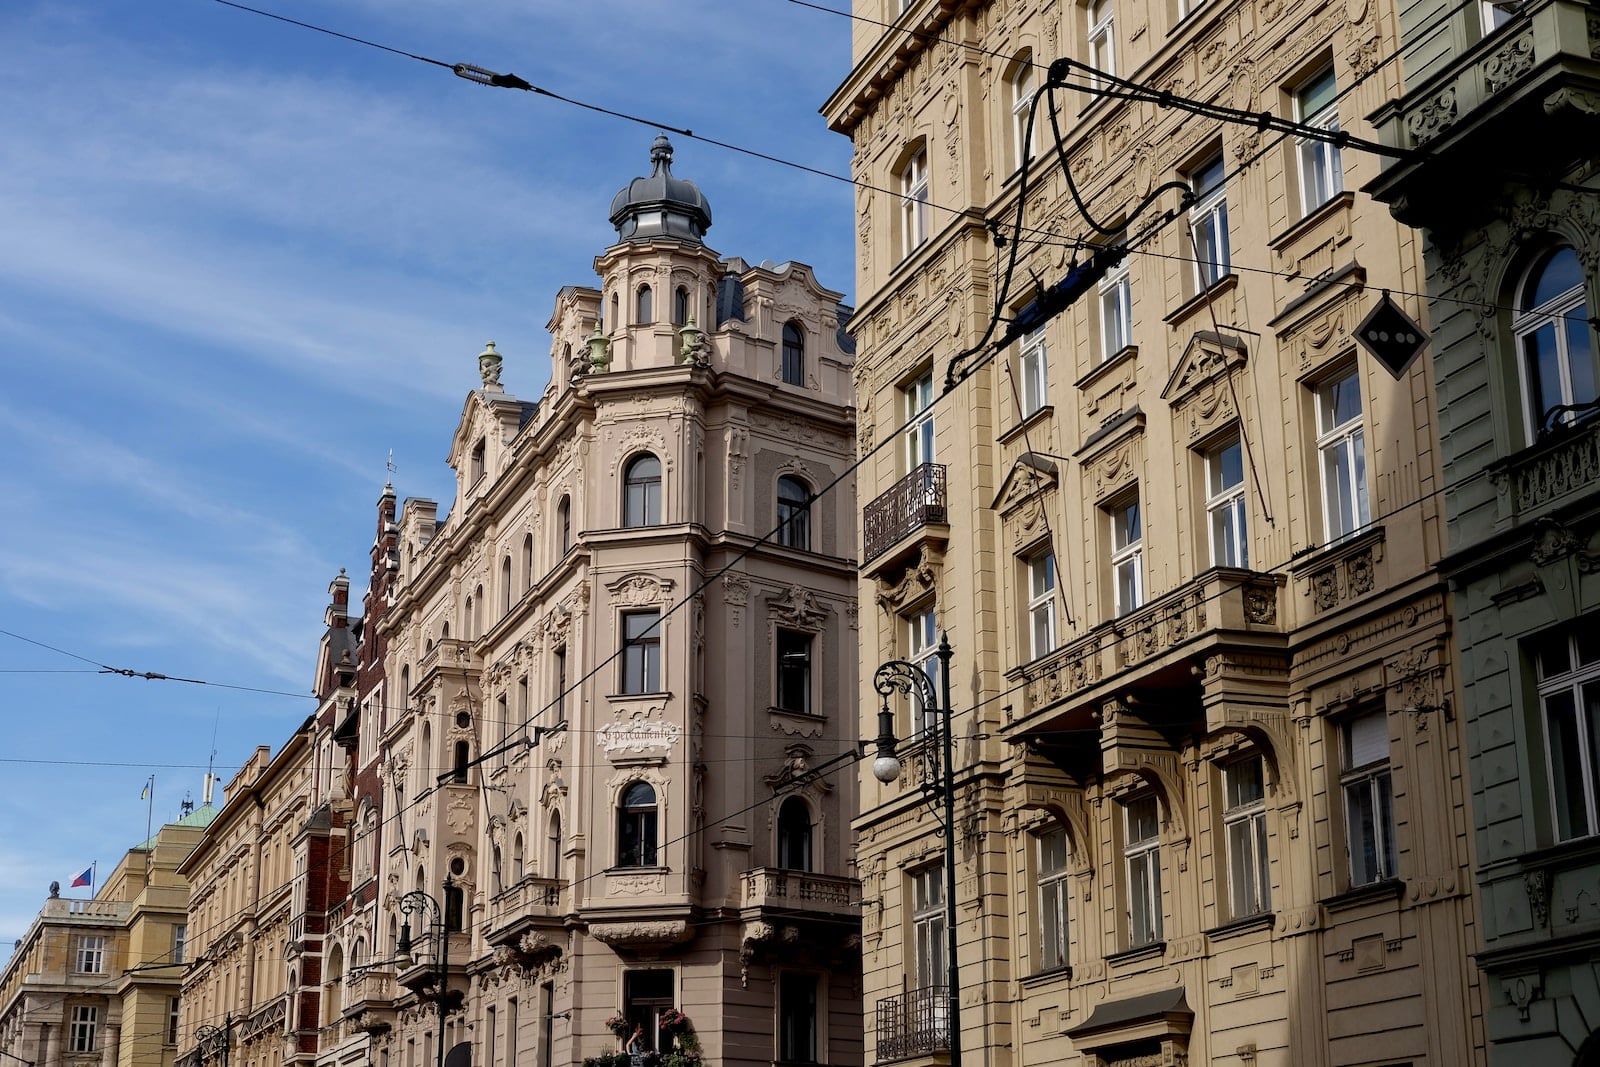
x=661 y=151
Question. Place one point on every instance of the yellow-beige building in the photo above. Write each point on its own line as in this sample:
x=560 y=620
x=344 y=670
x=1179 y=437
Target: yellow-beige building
x=1183 y=536
x=95 y=983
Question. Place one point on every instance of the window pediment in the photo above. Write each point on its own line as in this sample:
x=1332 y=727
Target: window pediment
x=1031 y=476
x=1208 y=356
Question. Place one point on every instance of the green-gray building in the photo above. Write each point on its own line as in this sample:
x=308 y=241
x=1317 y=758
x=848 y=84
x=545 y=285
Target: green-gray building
x=1502 y=110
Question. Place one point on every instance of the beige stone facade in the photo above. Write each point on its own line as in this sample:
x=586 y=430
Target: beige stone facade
x=247 y=919
x=1184 y=541
x=615 y=685
x=95 y=982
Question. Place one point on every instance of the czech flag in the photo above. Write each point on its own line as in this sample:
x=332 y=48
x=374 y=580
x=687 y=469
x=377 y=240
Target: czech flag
x=86 y=878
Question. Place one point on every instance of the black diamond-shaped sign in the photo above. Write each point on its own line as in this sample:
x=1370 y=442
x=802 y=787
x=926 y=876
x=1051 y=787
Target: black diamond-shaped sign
x=1390 y=335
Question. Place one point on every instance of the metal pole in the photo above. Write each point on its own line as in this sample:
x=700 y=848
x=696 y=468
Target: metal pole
x=948 y=787
x=442 y=958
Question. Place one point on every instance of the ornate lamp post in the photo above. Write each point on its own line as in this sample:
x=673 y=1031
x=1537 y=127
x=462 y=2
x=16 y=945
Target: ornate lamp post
x=213 y=1039
x=418 y=901
x=938 y=783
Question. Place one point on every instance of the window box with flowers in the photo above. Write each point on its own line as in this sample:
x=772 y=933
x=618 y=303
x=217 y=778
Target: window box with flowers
x=682 y=1045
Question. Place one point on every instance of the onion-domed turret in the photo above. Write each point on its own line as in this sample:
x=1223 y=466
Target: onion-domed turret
x=661 y=205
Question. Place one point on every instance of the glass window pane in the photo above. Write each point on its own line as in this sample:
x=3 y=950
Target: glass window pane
x=1561 y=273
x=1544 y=368
x=1317 y=93
x=1566 y=765
x=1361 y=828
x=1580 y=358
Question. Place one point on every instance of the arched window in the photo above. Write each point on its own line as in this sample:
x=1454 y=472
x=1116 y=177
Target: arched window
x=475 y=624
x=794 y=354
x=466 y=624
x=1024 y=83
x=680 y=306
x=552 y=865
x=794 y=513
x=425 y=762
x=616 y=313
x=405 y=684
x=642 y=505
x=636 y=827
x=1555 y=341
x=794 y=835
x=645 y=308
x=527 y=563
x=499 y=870
x=505 y=586
x=333 y=989
x=516 y=858
x=564 y=523
x=358 y=953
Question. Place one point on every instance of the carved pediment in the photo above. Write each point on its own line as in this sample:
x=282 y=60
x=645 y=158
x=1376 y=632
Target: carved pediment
x=1205 y=359
x=798 y=608
x=918 y=580
x=639 y=589
x=1030 y=476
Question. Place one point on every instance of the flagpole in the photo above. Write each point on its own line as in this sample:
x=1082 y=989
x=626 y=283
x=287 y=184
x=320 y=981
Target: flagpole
x=149 y=811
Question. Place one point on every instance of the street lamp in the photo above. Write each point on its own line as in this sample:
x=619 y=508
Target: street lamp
x=419 y=901
x=938 y=781
x=210 y=1040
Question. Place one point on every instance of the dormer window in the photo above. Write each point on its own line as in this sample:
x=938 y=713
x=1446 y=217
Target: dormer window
x=476 y=470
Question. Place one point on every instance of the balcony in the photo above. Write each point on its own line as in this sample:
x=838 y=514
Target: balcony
x=913 y=1023
x=368 y=990
x=524 y=917
x=915 y=501
x=1541 y=478
x=796 y=894
x=1171 y=631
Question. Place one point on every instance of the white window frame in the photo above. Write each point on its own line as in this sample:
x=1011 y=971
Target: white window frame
x=1562 y=319
x=91 y=956
x=1494 y=15
x=1041 y=568
x=922 y=645
x=1127 y=555
x=180 y=938
x=1342 y=458
x=83 y=1030
x=928 y=926
x=1227 y=518
x=1054 y=939
x=1567 y=666
x=1141 y=854
x=916 y=399
x=1368 y=799
x=1208 y=223
x=1035 y=371
x=1244 y=827
x=1321 y=165
x=914 y=202
x=1024 y=86
x=1101 y=38
x=1116 y=311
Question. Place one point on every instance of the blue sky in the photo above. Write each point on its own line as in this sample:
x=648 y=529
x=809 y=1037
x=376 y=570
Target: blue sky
x=239 y=263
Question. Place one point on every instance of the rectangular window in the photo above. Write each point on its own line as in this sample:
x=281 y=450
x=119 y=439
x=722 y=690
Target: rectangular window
x=1341 y=444
x=1041 y=604
x=547 y=1025
x=1102 y=37
x=794 y=671
x=922 y=644
x=928 y=929
x=1244 y=823
x=511 y=1030
x=1142 y=854
x=502 y=727
x=488 y=1036
x=1116 y=311
x=560 y=698
x=172 y=1020
x=478 y=465
x=641 y=652
x=645 y=995
x=1208 y=223
x=1053 y=899
x=1225 y=506
x=1024 y=84
x=81 y=1035
x=914 y=203
x=1496 y=13
x=1321 y=170
x=180 y=940
x=1568 y=668
x=917 y=403
x=1035 y=373
x=1127 y=557
x=797 y=1018
x=1368 y=799
x=91 y=954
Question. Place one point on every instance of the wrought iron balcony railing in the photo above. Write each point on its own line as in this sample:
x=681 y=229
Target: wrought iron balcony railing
x=913 y=1023
x=913 y=502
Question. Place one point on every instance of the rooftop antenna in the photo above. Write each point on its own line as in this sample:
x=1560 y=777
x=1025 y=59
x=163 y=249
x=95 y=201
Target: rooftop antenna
x=390 y=464
x=205 y=796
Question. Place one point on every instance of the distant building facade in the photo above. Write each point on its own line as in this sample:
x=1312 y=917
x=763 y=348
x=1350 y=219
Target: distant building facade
x=95 y=983
x=609 y=687
x=1184 y=538
x=1502 y=102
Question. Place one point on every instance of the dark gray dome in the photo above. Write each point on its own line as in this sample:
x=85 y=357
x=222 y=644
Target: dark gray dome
x=661 y=205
